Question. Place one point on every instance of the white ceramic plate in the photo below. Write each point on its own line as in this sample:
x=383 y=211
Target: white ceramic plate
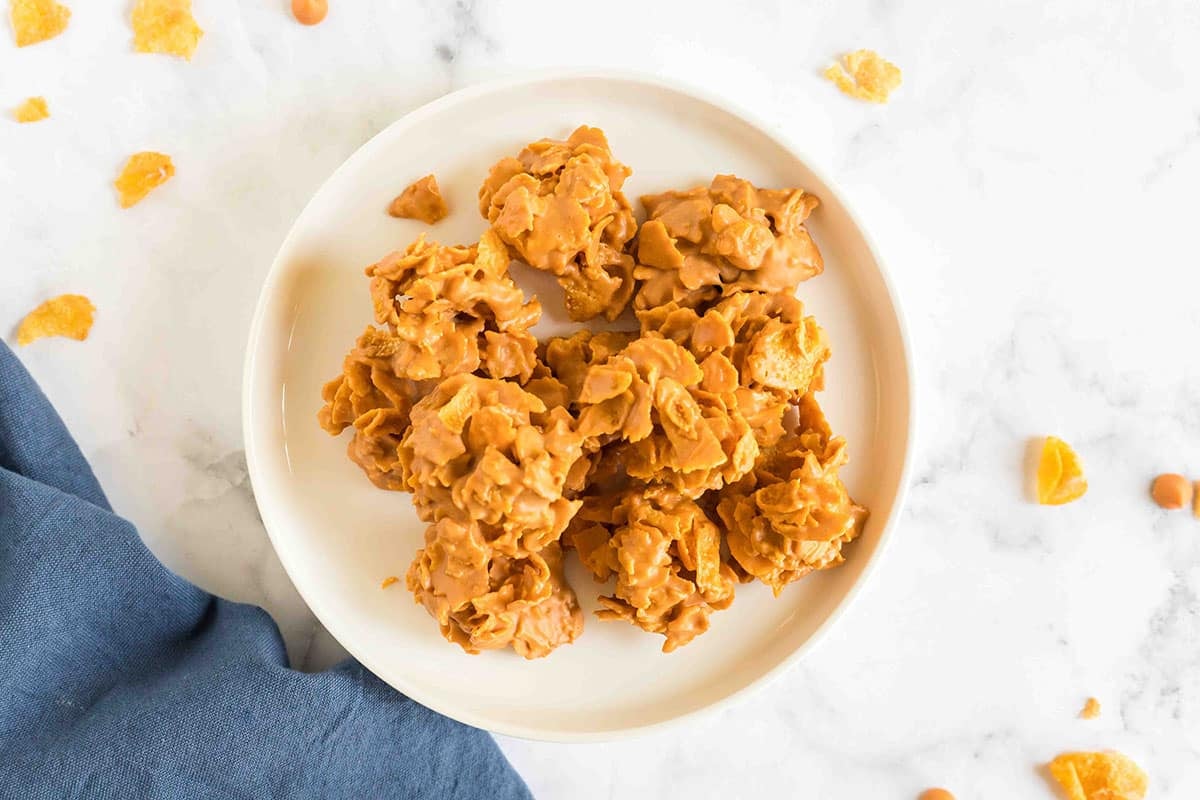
x=338 y=536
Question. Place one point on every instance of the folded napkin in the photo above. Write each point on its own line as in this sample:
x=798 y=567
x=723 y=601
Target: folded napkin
x=119 y=679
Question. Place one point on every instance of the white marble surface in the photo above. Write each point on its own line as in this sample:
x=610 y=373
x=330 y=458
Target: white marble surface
x=1034 y=185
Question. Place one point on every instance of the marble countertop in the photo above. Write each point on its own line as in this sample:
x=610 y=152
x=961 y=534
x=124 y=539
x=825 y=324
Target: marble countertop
x=1034 y=186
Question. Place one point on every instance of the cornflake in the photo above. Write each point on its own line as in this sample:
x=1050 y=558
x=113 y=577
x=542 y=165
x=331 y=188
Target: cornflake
x=1099 y=776
x=143 y=171
x=165 y=26
x=865 y=75
x=68 y=315
x=36 y=21
x=1091 y=709
x=32 y=110
x=1059 y=475
x=421 y=200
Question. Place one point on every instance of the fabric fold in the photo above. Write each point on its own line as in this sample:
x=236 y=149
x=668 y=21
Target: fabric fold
x=120 y=679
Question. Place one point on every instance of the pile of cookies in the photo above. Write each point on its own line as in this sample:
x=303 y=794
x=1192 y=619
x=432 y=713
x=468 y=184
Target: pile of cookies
x=677 y=458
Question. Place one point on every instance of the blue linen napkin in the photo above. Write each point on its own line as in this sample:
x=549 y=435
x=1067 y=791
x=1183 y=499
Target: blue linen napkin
x=119 y=679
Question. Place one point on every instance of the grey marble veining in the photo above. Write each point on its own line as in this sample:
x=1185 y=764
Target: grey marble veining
x=1034 y=187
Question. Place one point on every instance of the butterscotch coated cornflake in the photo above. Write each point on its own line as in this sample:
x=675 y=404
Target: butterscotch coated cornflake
x=792 y=515
x=756 y=345
x=68 y=315
x=700 y=244
x=1099 y=776
x=666 y=419
x=666 y=556
x=165 y=26
x=421 y=200
x=36 y=21
x=142 y=173
x=490 y=452
x=445 y=311
x=674 y=459
x=485 y=600
x=865 y=75
x=558 y=206
x=32 y=110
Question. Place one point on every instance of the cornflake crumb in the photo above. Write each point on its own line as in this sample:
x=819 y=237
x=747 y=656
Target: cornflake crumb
x=865 y=75
x=36 y=21
x=144 y=171
x=1099 y=776
x=388 y=581
x=1091 y=709
x=165 y=26
x=32 y=110
x=1059 y=474
x=421 y=200
x=68 y=315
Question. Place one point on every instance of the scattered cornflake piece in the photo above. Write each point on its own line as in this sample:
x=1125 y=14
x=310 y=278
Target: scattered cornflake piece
x=422 y=200
x=143 y=172
x=32 y=110
x=309 y=12
x=68 y=315
x=865 y=75
x=1099 y=776
x=36 y=21
x=1059 y=475
x=388 y=581
x=936 y=794
x=165 y=26
x=1091 y=709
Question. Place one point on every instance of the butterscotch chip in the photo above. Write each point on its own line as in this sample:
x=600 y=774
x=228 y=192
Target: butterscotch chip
x=142 y=173
x=1091 y=709
x=422 y=200
x=936 y=794
x=863 y=74
x=1171 y=491
x=36 y=21
x=165 y=26
x=1099 y=776
x=309 y=12
x=32 y=110
x=68 y=315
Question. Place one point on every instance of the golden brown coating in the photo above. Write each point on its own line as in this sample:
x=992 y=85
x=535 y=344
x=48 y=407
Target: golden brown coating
x=490 y=452
x=485 y=600
x=421 y=200
x=777 y=354
x=666 y=556
x=698 y=244
x=665 y=418
x=373 y=395
x=792 y=514
x=569 y=357
x=558 y=206
x=447 y=311
x=626 y=446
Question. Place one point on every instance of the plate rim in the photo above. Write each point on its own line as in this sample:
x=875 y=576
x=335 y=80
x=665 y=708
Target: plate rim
x=908 y=371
